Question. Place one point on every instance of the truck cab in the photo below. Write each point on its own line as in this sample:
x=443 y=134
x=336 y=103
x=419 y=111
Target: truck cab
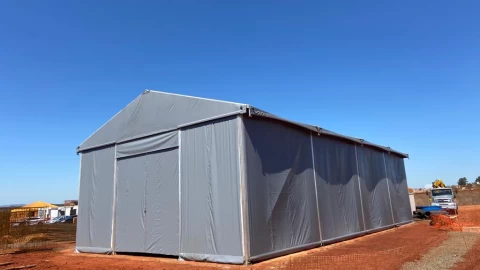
x=445 y=198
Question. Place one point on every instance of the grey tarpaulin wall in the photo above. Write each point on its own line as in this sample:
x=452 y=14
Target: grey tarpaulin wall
x=210 y=192
x=306 y=190
x=281 y=191
x=374 y=188
x=147 y=212
x=338 y=191
x=398 y=188
x=225 y=182
x=94 y=229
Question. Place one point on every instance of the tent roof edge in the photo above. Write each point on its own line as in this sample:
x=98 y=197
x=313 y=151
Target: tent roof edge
x=251 y=111
x=321 y=131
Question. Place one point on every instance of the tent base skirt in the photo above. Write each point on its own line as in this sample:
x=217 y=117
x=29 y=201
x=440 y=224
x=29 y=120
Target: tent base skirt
x=96 y=250
x=212 y=258
x=282 y=252
x=343 y=238
x=404 y=223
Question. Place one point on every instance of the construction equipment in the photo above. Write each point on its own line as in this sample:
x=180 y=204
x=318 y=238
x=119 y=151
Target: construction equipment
x=438 y=184
x=443 y=197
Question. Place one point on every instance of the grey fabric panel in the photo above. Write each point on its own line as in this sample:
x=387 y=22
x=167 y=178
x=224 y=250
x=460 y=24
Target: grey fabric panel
x=93 y=250
x=212 y=258
x=162 y=203
x=94 y=229
x=150 y=144
x=155 y=111
x=210 y=196
x=130 y=208
x=397 y=180
x=373 y=182
x=281 y=189
x=338 y=191
x=147 y=203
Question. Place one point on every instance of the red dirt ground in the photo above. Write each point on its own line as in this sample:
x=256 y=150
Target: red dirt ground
x=470 y=216
x=388 y=249
x=383 y=250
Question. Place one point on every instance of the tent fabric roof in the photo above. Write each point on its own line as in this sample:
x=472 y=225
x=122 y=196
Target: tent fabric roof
x=155 y=112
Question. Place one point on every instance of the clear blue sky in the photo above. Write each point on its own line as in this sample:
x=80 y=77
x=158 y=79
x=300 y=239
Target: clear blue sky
x=400 y=73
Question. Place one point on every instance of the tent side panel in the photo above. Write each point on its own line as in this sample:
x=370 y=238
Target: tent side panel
x=281 y=189
x=147 y=203
x=210 y=195
x=130 y=205
x=373 y=184
x=338 y=191
x=397 y=180
x=94 y=229
x=162 y=218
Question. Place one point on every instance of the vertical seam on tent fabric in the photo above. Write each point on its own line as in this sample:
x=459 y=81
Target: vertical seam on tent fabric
x=114 y=204
x=91 y=199
x=179 y=191
x=388 y=187
x=243 y=196
x=360 y=189
x=316 y=191
x=145 y=204
x=79 y=187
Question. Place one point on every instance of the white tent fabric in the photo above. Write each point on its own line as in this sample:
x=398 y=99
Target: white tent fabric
x=217 y=181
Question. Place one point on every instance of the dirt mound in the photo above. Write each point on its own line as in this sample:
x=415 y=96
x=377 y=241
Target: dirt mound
x=446 y=223
x=37 y=237
x=7 y=239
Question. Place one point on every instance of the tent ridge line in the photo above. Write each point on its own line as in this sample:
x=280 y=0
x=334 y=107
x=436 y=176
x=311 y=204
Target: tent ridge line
x=187 y=96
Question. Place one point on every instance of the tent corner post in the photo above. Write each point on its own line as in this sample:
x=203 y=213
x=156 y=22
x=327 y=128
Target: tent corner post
x=243 y=192
x=179 y=191
x=114 y=204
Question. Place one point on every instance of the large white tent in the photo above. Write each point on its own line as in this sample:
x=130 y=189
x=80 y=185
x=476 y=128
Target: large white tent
x=218 y=181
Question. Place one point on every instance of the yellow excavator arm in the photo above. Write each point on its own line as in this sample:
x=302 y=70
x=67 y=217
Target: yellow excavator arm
x=438 y=184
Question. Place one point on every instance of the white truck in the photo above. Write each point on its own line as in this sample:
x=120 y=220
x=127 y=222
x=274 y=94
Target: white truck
x=445 y=198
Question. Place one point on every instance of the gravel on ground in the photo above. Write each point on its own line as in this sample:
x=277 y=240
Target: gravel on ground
x=471 y=260
x=446 y=255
